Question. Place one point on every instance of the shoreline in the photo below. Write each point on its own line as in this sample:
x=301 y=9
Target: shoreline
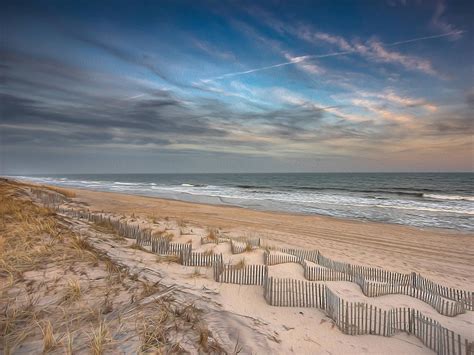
x=278 y=212
x=406 y=247
x=200 y=200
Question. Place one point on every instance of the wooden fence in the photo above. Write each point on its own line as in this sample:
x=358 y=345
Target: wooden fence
x=49 y=198
x=294 y=293
x=240 y=275
x=216 y=240
x=357 y=318
x=466 y=297
x=373 y=281
x=200 y=259
x=352 y=318
x=317 y=273
x=271 y=258
x=309 y=255
x=241 y=244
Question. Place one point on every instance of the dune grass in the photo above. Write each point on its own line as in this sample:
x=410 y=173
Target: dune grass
x=65 y=192
x=55 y=288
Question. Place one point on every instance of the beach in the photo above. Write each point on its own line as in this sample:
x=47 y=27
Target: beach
x=239 y=313
x=445 y=255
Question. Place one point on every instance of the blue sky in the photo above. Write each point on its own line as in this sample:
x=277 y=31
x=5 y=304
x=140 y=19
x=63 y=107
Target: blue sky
x=154 y=86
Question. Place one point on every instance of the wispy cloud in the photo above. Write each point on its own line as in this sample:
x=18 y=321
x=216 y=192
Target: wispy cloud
x=213 y=50
x=439 y=23
x=373 y=50
x=377 y=52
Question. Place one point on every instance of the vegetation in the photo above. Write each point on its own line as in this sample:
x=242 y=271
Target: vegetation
x=60 y=294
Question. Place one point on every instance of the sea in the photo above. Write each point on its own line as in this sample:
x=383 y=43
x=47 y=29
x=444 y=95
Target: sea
x=427 y=200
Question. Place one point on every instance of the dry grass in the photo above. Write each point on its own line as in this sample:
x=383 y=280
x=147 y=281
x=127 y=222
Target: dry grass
x=150 y=289
x=49 y=340
x=72 y=291
x=196 y=272
x=99 y=338
x=168 y=236
x=241 y=264
x=105 y=226
x=152 y=330
x=248 y=247
x=69 y=343
x=167 y=258
x=212 y=234
x=209 y=252
x=38 y=251
x=137 y=247
x=59 y=190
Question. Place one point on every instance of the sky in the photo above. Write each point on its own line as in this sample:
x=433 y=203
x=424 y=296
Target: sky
x=231 y=86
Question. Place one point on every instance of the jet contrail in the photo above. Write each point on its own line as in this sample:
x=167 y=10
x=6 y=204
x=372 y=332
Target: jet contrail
x=423 y=38
x=293 y=61
x=315 y=56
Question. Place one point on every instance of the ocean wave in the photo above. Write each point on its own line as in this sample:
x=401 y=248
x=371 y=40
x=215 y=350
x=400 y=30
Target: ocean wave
x=314 y=188
x=427 y=209
x=251 y=187
x=449 y=197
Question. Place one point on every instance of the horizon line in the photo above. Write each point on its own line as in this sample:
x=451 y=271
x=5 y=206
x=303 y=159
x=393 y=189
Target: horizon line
x=272 y=172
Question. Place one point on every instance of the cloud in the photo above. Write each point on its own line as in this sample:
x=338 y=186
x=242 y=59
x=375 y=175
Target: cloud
x=213 y=50
x=55 y=103
x=372 y=50
x=376 y=51
x=439 y=23
x=332 y=39
x=304 y=64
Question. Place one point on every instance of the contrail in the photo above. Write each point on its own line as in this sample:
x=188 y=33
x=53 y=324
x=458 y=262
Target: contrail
x=315 y=56
x=423 y=38
x=294 y=61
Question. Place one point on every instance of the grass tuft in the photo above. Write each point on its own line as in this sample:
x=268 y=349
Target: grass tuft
x=152 y=331
x=49 y=340
x=73 y=291
x=248 y=247
x=99 y=338
x=240 y=264
x=212 y=234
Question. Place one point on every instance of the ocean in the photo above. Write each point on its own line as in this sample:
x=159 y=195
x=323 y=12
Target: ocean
x=442 y=200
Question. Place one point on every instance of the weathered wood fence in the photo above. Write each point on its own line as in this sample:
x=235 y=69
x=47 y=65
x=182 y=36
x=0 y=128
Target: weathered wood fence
x=240 y=275
x=356 y=318
x=200 y=259
x=350 y=317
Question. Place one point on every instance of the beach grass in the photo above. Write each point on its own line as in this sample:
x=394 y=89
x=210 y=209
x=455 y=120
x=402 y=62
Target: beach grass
x=55 y=286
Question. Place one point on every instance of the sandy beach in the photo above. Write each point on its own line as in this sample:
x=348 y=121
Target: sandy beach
x=238 y=314
x=443 y=255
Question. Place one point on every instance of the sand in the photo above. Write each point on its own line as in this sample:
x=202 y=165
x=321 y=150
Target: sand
x=444 y=256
